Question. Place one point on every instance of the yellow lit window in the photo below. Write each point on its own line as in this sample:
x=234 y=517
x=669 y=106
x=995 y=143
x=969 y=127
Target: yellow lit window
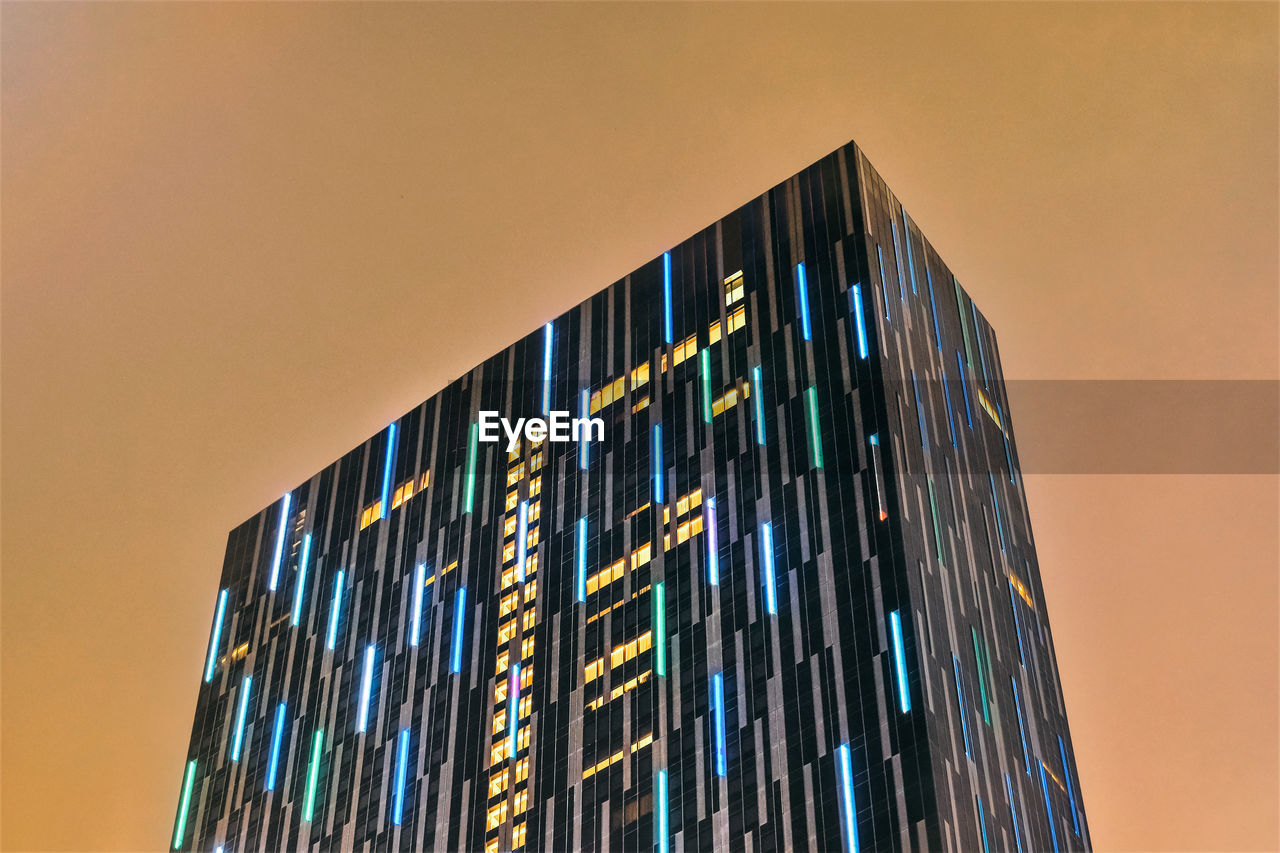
x=513 y=498
x=526 y=648
x=530 y=617
x=498 y=753
x=594 y=670
x=630 y=685
x=518 y=834
x=522 y=769
x=508 y=604
x=514 y=475
x=240 y=652
x=507 y=631
x=403 y=493
x=535 y=485
x=605 y=577
x=500 y=692
x=509 y=575
x=520 y=806
x=497 y=815
x=498 y=782
x=502 y=663
x=514 y=453
x=509 y=526
x=371 y=514
x=526 y=705
x=531 y=588
x=627 y=651
x=730 y=399
x=508 y=552
x=686 y=349
x=1023 y=592
x=693 y=500
x=499 y=724
x=607 y=394
x=641 y=555
x=733 y=288
x=493 y=846
x=738 y=319
x=424 y=481
x=617 y=756
x=523 y=738
x=713 y=334
x=640 y=375
x=640 y=406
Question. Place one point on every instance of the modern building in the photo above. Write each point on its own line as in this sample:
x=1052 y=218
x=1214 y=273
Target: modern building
x=790 y=601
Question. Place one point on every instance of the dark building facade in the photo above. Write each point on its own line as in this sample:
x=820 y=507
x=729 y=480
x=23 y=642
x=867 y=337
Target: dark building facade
x=790 y=601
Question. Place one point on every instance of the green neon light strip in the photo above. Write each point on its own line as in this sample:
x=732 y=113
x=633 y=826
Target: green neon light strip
x=660 y=620
x=982 y=675
x=312 y=774
x=815 y=436
x=186 y=801
x=706 y=386
x=471 y=466
x=937 y=530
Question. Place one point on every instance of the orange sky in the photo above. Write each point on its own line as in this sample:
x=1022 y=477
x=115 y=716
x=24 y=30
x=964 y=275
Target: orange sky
x=239 y=239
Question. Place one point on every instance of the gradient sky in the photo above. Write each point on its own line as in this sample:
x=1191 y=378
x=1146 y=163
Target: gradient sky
x=239 y=239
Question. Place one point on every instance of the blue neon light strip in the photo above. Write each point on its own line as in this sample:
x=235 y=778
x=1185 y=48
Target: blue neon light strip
x=946 y=395
x=336 y=611
x=717 y=711
x=758 y=390
x=933 y=306
x=548 y=334
x=1013 y=810
x=459 y=619
x=900 y=662
x=860 y=321
x=240 y=717
x=580 y=580
x=402 y=765
x=1071 y=789
x=663 y=831
x=1044 y=789
x=884 y=283
x=657 y=463
x=216 y=638
x=924 y=430
x=583 y=457
x=906 y=238
x=766 y=558
x=419 y=587
x=982 y=824
x=964 y=720
x=1022 y=732
x=1017 y=623
x=849 y=808
x=366 y=687
x=995 y=501
x=522 y=539
x=802 y=289
x=386 y=470
x=276 y=733
x=301 y=588
x=666 y=297
x=964 y=388
x=513 y=707
x=284 y=520
x=977 y=333
x=713 y=546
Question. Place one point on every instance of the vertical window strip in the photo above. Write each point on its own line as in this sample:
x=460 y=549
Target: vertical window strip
x=713 y=545
x=897 y=261
x=276 y=733
x=766 y=560
x=472 y=438
x=906 y=238
x=280 y=531
x=1048 y=808
x=1017 y=623
x=548 y=334
x=1022 y=732
x=313 y=775
x=301 y=588
x=982 y=825
x=860 y=321
x=459 y=620
x=660 y=624
x=580 y=579
x=995 y=501
x=336 y=611
x=924 y=429
x=900 y=661
x=522 y=539
x=964 y=390
x=717 y=713
x=238 y=739
x=705 y=363
x=366 y=687
x=657 y=463
x=933 y=306
x=387 y=469
x=815 y=435
x=964 y=720
x=884 y=283
x=419 y=587
x=181 y=829
x=663 y=832
x=848 y=806
x=946 y=395
x=802 y=291
x=758 y=393
x=1004 y=433
x=402 y=764
x=216 y=638
x=977 y=333
x=1071 y=788
x=979 y=660
x=1013 y=811
x=964 y=326
x=666 y=297
x=933 y=511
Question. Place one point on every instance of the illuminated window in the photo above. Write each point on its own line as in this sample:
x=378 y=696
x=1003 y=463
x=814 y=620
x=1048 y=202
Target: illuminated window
x=526 y=648
x=508 y=604
x=617 y=756
x=240 y=652
x=733 y=288
x=503 y=660
x=520 y=806
x=640 y=406
x=498 y=782
x=737 y=319
x=627 y=651
x=518 y=834
x=513 y=498
x=507 y=631
x=371 y=514
x=497 y=815
x=499 y=723
x=730 y=399
x=531 y=589
x=514 y=475
x=403 y=492
x=522 y=769
x=685 y=350
x=693 y=500
x=640 y=375
x=424 y=481
x=714 y=333
x=630 y=685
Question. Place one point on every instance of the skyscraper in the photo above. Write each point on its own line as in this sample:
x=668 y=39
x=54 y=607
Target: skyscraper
x=789 y=601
